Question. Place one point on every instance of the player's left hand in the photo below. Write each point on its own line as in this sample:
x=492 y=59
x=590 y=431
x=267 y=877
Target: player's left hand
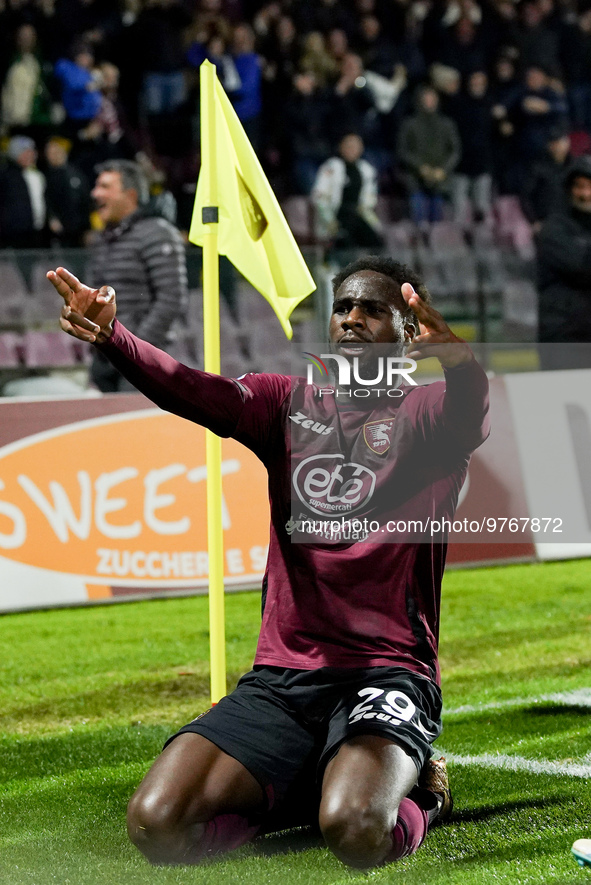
x=87 y=313
x=435 y=338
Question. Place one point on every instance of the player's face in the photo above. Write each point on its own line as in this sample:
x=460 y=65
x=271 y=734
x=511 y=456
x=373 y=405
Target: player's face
x=368 y=309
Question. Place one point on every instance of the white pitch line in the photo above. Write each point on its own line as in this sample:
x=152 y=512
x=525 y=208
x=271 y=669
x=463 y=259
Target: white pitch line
x=578 y=698
x=520 y=763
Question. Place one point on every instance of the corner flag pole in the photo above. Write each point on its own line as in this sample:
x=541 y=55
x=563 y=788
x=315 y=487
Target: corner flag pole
x=211 y=348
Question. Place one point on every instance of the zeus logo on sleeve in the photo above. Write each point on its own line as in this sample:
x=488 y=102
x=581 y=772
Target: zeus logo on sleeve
x=327 y=484
x=310 y=424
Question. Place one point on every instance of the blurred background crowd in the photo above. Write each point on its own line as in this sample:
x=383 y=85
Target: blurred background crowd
x=447 y=133
x=454 y=102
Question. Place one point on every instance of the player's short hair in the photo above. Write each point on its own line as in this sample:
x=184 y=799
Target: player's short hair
x=132 y=177
x=397 y=271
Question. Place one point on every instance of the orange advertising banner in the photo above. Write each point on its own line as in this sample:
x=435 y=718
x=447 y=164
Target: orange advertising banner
x=105 y=497
x=116 y=503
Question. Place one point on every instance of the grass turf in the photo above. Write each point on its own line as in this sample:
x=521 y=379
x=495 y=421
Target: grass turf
x=87 y=697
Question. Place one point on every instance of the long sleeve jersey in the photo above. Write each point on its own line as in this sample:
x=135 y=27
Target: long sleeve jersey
x=344 y=602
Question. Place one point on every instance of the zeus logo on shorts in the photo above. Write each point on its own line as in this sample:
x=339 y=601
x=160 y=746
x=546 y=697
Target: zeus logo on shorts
x=395 y=708
x=327 y=484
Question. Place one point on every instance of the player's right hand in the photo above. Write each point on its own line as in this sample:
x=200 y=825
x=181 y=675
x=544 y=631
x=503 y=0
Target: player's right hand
x=87 y=314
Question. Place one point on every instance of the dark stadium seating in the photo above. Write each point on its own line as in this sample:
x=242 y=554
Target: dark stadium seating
x=11 y=355
x=48 y=350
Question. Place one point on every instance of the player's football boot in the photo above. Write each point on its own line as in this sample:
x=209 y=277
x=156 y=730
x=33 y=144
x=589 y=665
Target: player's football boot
x=582 y=852
x=434 y=778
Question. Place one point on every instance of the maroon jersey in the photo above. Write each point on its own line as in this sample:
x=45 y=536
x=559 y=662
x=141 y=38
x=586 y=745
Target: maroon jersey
x=338 y=597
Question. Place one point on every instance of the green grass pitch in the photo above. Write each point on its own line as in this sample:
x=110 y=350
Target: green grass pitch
x=87 y=697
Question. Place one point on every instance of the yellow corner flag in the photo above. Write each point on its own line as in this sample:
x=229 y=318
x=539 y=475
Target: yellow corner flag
x=252 y=229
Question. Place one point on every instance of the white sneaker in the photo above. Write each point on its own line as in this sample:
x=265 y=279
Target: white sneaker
x=582 y=852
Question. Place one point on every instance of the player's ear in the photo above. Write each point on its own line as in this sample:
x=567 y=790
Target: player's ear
x=410 y=330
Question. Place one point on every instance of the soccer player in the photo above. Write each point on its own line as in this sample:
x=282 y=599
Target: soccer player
x=343 y=702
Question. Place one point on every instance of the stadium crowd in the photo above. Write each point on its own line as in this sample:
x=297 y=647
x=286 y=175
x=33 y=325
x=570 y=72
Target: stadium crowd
x=455 y=101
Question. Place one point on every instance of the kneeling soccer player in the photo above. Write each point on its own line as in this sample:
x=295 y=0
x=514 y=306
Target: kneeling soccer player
x=337 y=717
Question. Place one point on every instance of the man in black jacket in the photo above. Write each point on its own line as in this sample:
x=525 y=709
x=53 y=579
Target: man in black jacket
x=543 y=188
x=22 y=197
x=144 y=254
x=564 y=275
x=67 y=195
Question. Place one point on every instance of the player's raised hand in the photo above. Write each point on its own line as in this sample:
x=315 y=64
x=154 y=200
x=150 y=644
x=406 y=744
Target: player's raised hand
x=87 y=313
x=435 y=338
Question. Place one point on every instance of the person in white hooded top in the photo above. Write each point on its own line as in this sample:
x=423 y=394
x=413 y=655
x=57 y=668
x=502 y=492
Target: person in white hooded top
x=345 y=196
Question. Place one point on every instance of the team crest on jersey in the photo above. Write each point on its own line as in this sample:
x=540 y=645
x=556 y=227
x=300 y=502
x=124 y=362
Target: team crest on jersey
x=377 y=434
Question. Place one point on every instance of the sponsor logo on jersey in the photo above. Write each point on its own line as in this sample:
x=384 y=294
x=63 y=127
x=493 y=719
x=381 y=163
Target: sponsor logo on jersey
x=310 y=424
x=377 y=434
x=327 y=484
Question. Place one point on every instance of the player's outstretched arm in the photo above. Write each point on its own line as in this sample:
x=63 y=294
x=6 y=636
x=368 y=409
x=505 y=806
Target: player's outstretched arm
x=435 y=338
x=87 y=313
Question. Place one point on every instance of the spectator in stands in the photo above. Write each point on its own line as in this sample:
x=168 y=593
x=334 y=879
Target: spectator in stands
x=354 y=105
x=306 y=137
x=387 y=78
x=440 y=20
x=564 y=274
x=112 y=117
x=378 y=51
x=162 y=202
x=536 y=43
x=575 y=60
x=317 y=60
x=22 y=197
x=463 y=47
x=504 y=83
x=429 y=150
x=95 y=22
x=107 y=135
x=159 y=32
x=280 y=51
x=537 y=108
x=266 y=19
x=506 y=163
x=447 y=82
x=323 y=16
x=67 y=195
x=144 y=256
x=543 y=189
x=410 y=41
x=338 y=44
x=26 y=101
x=210 y=18
x=215 y=49
x=42 y=16
x=80 y=86
x=248 y=102
x=472 y=182
x=345 y=196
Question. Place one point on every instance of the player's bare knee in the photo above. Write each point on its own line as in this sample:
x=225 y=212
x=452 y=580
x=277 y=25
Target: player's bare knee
x=357 y=836
x=148 y=820
x=158 y=829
